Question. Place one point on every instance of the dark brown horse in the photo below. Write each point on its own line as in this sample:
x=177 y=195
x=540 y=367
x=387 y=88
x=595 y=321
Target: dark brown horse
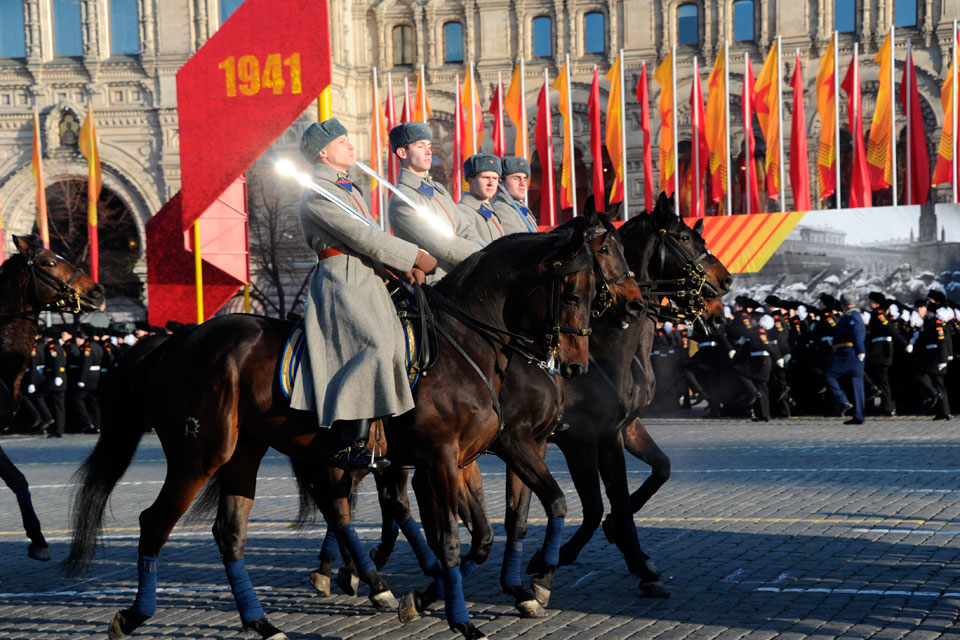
x=32 y=281
x=211 y=394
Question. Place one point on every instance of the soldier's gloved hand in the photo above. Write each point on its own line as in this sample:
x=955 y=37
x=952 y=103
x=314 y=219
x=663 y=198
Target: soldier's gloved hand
x=80 y=384
x=58 y=381
x=780 y=362
x=31 y=388
x=415 y=275
x=861 y=356
x=909 y=348
x=425 y=262
x=731 y=353
x=942 y=366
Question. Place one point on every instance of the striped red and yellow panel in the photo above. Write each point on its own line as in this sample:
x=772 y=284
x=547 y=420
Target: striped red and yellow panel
x=744 y=243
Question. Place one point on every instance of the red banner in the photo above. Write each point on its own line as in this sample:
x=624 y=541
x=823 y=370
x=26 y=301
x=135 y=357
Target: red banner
x=243 y=88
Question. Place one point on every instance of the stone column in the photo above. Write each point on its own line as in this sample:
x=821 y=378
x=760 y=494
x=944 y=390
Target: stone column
x=148 y=19
x=201 y=24
x=560 y=40
x=90 y=30
x=420 y=57
x=614 y=41
x=32 y=23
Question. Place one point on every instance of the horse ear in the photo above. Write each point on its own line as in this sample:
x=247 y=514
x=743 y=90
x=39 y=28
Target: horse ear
x=698 y=227
x=590 y=210
x=27 y=245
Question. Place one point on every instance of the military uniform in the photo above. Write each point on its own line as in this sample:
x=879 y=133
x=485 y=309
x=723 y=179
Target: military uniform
x=55 y=385
x=932 y=353
x=84 y=363
x=515 y=217
x=882 y=337
x=752 y=361
x=848 y=348
x=33 y=408
x=487 y=224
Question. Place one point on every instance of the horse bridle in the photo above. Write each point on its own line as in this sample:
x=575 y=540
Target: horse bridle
x=605 y=297
x=68 y=299
x=687 y=289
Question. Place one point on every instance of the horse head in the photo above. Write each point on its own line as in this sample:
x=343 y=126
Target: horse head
x=51 y=282
x=617 y=288
x=675 y=260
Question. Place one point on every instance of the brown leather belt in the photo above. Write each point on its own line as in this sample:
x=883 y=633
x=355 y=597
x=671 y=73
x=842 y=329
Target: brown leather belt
x=341 y=250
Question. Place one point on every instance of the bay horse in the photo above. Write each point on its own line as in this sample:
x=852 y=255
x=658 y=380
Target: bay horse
x=212 y=395
x=32 y=281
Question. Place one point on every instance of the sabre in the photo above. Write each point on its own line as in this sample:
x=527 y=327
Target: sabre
x=516 y=207
x=286 y=168
x=434 y=222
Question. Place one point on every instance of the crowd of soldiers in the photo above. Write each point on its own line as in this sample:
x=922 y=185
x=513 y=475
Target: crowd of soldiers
x=60 y=389
x=778 y=358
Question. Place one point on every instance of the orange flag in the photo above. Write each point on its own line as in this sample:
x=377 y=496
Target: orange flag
x=378 y=141
x=716 y=129
x=664 y=77
x=943 y=172
x=473 y=124
x=41 y=187
x=514 y=105
x=613 y=131
x=826 y=150
x=566 y=177
x=768 y=113
x=421 y=100
x=879 y=156
x=87 y=141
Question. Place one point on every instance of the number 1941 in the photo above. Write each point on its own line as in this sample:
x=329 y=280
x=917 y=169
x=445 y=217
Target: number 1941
x=244 y=74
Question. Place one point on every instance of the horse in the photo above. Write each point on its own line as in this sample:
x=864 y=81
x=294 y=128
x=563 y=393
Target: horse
x=212 y=395
x=32 y=281
x=532 y=409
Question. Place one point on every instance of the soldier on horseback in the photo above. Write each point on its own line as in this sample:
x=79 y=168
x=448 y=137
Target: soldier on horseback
x=354 y=370
x=482 y=172
x=508 y=205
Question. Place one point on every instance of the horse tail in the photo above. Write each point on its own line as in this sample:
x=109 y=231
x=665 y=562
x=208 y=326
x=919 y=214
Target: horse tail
x=123 y=425
x=207 y=502
x=304 y=474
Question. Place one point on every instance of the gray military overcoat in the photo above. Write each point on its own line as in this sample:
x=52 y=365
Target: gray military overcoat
x=354 y=366
x=512 y=219
x=489 y=229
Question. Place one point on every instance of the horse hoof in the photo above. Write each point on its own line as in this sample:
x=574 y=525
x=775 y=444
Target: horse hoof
x=407 y=609
x=469 y=631
x=653 y=590
x=542 y=594
x=608 y=530
x=320 y=582
x=39 y=551
x=124 y=623
x=266 y=630
x=384 y=601
x=531 y=609
x=348 y=581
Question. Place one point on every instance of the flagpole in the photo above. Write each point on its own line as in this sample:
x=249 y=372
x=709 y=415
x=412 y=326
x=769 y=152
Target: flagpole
x=782 y=190
x=423 y=94
x=503 y=140
x=726 y=110
x=836 y=117
x=198 y=270
x=623 y=140
x=473 y=111
x=893 y=123
x=378 y=142
x=747 y=160
x=549 y=163
x=456 y=176
x=406 y=99
x=523 y=122
x=953 y=101
x=909 y=148
x=696 y=142
x=855 y=106
x=569 y=117
x=676 y=159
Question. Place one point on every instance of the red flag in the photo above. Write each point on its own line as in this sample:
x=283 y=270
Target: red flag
x=456 y=186
x=496 y=108
x=918 y=163
x=799 y=169
x=391 y=119
x=378 y=140
x=643 y=97
x=753 y=206
x=406 y=115
x=596 y=141
x=544 y=141
x=700 y=152
x=860 y=194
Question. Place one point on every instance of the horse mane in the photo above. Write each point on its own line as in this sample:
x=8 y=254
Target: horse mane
x=12 y=276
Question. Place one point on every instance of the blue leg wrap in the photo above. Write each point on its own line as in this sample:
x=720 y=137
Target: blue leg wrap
x=454 y=604
x=551 y=542
x=330 y=549
x=440 y=592
x=247 y=603
x=350 y=540
x=426 y=558
x=512 y=559
x=467 y=568
x=146 y=601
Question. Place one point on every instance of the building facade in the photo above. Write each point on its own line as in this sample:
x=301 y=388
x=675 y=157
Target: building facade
x=60 y=57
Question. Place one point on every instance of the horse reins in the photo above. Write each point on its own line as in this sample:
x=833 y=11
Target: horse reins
x=68 y=299
x=605 y=297
x=688 y=288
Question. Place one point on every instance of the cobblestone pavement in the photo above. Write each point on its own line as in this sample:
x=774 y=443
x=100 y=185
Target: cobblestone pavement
x=798 y=528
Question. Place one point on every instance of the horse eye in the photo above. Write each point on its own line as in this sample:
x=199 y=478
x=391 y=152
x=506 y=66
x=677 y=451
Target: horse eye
x=604 y=250
x=50 y=263
x=570 y=299
x=685 y=238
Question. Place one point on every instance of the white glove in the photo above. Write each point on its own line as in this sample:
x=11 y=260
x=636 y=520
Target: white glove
x=909 y=348
x=780 y=362
x=942 y=366
x=81 y=385
x=31 y=388
x=731 y=353
x=861 y=356
x=58 y=381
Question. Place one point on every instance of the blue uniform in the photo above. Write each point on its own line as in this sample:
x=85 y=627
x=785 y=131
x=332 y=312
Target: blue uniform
x=848 y=346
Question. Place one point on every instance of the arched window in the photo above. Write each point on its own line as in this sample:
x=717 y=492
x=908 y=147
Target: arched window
x=905 y=13
x=12 y=39
x=402 y=45
x=67 y=31
x=453 y=42
x=594 y=33
x=743 y=21
x=688 y=24
x=124 y=27
x=542 y=37
x=845 y=15
x=227 y=7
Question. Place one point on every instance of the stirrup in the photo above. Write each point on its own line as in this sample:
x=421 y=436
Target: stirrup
x=355 y=458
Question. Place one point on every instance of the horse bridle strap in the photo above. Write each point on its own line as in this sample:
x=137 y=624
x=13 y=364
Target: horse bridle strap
x=687 y=288
x=604 y=299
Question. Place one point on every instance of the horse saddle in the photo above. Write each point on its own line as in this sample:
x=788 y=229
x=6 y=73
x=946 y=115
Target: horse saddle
x=415 y=319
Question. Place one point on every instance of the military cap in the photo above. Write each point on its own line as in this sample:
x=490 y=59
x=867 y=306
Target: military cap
x=937 y=297
x=876 y=296
x=847 y=300
x=775 y=301
x=829 y=302
x=408 y=133
x=919 y=303
x=513 y=164
x=318 y=135
x=479 y=163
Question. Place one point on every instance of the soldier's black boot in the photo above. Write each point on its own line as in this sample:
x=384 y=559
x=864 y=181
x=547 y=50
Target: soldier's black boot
x=353 y=453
